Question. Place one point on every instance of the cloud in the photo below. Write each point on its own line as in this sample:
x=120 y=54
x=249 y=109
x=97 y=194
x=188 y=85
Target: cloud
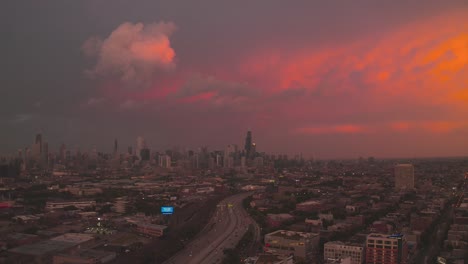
x=400 y=126
x=424 y=126
x=128 y=104
x=333 y=129
x=21 y=118
x=408 y=61
x=441 y=126
x=133 y=53
x=93 y=101
x=217 y=92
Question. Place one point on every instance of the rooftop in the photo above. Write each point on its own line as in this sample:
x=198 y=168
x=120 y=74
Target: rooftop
x=21 y=236
x=375 y=235
x=94 y=254
x=76 y=238
x=292 y=235
x=309 y=202
x=152 y=226
x=344 y=244
x=42 y=248
x=404 y=165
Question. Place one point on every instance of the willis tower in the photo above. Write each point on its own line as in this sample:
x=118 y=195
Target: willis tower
x=248 y=145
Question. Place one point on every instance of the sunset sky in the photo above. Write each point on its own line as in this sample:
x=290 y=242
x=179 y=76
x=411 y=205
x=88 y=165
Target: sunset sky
x=329 y=78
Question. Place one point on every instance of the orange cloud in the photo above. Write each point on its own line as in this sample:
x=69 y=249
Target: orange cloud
x=339 y=129
x=441 y=126
x=400 y=126
x=428 y=126
x=154 y=50
x=423 y=60
x=199 y=97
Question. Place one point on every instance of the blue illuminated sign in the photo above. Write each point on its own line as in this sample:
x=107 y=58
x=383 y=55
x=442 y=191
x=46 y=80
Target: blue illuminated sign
x=167 y=210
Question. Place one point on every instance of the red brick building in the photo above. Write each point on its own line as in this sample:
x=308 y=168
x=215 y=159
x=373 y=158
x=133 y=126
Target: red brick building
x=386 y=249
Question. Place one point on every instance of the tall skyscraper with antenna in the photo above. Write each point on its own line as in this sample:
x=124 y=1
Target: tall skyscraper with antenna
x=248 y=145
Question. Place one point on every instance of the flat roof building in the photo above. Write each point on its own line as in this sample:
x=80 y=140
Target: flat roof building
x=150 y=229
x=338 y=250
x=285 y=243
x=42 y=251
x=386 y=249
x=50 y=206
x=85 y=257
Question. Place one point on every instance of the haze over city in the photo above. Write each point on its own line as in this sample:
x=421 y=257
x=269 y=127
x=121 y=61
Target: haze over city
x=234 y=132
x=329 y=79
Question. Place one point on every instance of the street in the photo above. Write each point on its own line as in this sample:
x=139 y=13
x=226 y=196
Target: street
x=227 y=226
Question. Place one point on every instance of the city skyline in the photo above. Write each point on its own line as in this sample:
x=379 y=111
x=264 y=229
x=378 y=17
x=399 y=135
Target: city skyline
x=132 y=148
x=323 y=78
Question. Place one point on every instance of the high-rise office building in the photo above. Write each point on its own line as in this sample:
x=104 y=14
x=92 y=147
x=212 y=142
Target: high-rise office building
x=386 y=249
x=404 y=176
x=229 y=152
x=248 y=144
x=38 y=139
x=116 y=147
x=45 y=154
x=140 y=145
x=145 y=154
x=37 y=148
x=164 y=161
x=62 y=152
x=130 y=150
x=243 y=162
x=219 y=160
x=258 y=162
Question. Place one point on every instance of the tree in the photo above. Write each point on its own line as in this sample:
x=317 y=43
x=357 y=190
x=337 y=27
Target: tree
x=231 y=256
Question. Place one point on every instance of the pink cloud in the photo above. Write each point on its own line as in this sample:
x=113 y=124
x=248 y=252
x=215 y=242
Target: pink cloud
x=133 y=53
x=400 y=126
x=334 y=129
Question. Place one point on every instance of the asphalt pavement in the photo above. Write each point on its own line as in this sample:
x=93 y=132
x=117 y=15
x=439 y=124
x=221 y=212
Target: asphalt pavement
x=224 y=230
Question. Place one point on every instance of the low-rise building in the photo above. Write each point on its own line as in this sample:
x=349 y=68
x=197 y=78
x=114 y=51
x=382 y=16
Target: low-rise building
x=150 y=229
x=50 y=206
x=120 y=205
x=310 y=206
x=338 y=250
x=85 y=257
x=43 y=251
x=275 y=220
x=301 y=245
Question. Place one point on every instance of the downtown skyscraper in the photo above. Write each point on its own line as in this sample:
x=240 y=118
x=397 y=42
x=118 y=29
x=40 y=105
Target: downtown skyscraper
x=248 y=145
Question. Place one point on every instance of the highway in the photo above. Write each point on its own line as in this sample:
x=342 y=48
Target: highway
x=224 y=230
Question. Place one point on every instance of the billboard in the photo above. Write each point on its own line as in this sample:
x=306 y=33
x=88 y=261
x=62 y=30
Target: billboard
x=167 y=210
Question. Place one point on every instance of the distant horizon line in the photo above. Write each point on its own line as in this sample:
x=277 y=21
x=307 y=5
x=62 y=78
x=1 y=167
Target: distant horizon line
x=291 y=156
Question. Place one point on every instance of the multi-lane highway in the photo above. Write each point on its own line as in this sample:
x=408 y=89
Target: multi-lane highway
x=224 y=230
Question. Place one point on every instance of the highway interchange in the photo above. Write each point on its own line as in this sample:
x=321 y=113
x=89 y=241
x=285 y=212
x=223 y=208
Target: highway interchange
x=224 y=230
